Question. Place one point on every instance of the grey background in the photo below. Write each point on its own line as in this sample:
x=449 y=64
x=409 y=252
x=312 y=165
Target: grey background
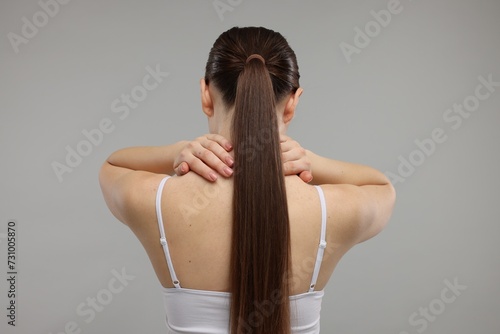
x=396 y=90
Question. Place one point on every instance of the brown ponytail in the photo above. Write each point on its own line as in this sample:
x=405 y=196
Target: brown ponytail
x=260 y=258
x=260 y=251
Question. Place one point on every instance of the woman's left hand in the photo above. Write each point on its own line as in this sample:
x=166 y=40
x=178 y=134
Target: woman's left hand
x=295 y=159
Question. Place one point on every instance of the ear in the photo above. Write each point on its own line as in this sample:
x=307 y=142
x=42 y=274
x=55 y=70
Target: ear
x=290 y=106
x=207 y=104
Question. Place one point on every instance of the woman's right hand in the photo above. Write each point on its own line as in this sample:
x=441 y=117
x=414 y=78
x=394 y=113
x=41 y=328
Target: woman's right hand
x=206 y=156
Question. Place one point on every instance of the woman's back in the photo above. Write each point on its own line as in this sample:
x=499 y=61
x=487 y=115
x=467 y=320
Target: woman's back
x=193 y=263
x=197 y=222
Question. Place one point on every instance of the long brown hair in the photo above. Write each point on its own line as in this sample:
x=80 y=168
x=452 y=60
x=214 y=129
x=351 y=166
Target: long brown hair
x=260 y=252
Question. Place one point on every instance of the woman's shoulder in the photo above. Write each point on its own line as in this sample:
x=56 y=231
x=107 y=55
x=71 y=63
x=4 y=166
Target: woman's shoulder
x=358 y=212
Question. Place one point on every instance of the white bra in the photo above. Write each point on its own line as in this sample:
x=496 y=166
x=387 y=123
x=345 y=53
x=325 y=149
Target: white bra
x=201 y=311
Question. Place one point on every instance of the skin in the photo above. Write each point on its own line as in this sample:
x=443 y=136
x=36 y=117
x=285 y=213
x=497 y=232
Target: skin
x=196 y=206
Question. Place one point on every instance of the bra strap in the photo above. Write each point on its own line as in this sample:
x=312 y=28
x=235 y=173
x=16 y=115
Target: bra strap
x=163 y=240
x=322 y=243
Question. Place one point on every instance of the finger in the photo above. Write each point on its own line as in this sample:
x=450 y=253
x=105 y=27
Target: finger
x=289 y=145
x=202 y=169
x=291 y=155
x=286 y=146
x=213 y=162
x=187 y=154
x=284 y=138
x=306 y=176
x=221 y=140
x=292 y=168
x=218 y=151
x=182 y=168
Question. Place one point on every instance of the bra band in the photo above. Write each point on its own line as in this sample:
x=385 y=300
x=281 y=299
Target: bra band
x=253 y=56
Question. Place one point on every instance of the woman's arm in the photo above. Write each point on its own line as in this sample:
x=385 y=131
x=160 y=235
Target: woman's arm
x=329 y=171
x=154 y=159
x=145 y=166
x=359 y=196
x=324 y=170
x=206 y=156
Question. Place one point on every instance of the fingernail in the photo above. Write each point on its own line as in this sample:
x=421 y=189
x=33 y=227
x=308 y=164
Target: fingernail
x=228 y=170
x=213 y=177
x=229 y=161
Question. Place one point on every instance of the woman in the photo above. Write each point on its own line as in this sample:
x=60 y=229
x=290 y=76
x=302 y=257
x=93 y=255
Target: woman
x=247 y=249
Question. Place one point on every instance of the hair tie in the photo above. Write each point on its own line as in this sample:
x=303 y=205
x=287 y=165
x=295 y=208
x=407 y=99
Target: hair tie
x=253 y=56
